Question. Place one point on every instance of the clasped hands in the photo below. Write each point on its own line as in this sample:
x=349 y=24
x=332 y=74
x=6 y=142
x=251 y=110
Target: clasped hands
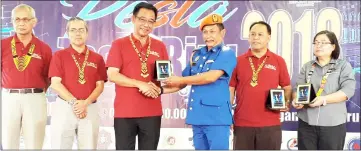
x=80 y=108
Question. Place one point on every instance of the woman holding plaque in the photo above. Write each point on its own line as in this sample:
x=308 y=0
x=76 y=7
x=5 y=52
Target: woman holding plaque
x=322 y=122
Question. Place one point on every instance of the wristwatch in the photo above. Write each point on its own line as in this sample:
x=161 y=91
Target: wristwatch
x=161 y=90
x=72 y=101
x=233 y=106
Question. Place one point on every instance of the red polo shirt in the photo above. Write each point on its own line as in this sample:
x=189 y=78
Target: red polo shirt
x=36 y=73
x=63 y=65
x=251 y=110
x=129 y=102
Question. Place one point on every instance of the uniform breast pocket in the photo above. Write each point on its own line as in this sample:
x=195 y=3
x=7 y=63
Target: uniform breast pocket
x=91 y=70
x=268 y=74
x=194 y=69
x=38 y=63
x=214 y=95
x=271 y=73
x=207 y=66
x=334 y=76
x=333 y=82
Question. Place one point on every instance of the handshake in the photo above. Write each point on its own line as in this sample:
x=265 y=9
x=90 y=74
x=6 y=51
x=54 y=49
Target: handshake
x=149 y=89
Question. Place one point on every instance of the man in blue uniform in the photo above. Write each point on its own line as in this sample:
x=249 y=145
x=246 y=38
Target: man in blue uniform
x=208 y=72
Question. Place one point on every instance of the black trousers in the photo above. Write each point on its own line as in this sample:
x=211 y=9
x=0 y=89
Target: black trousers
x=320 y=137
x=257 y=138
x=147 y=129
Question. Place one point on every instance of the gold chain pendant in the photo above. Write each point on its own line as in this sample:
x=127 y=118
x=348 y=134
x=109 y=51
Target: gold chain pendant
x=143 y=68
x=253 y=83
x=81 y=78
x=81 y=81
x=254 y=80
x=21 y=62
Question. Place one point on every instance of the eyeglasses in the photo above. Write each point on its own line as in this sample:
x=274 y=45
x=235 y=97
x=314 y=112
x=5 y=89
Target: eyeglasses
x=322 y=43
x=80 y=30
x=25 y=20
x=143 y=20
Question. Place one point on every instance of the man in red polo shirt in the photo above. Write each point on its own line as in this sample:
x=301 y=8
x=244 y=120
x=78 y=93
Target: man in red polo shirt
x=77 y=75
x=25 y=63
x=258 y=71
x=131 y=65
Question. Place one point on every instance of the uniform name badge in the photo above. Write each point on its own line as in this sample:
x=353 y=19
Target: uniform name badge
x=305 y=94
x=163 y=69
x=276 y=99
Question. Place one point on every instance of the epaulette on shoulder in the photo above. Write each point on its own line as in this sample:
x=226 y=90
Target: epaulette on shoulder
x=195 y=50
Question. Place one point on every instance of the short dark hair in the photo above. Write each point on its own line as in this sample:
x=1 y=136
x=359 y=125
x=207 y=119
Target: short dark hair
x=262 y=23
x=220 y=26
x=146 y=6
x=333 y=39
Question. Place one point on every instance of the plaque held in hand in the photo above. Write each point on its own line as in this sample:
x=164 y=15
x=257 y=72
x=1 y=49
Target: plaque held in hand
x=305 y=94
x=276 y=99
x=163 y=69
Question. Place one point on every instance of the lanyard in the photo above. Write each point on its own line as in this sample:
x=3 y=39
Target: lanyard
x=324 y=78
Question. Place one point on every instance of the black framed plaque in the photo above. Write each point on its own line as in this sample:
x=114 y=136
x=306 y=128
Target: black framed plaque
x=276 y=99
x=163 y=69
x=305 y=94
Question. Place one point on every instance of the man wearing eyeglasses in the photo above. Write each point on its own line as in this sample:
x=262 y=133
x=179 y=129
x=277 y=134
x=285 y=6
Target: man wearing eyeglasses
x=25 y=62
x=77 y=75
x=131 y=64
